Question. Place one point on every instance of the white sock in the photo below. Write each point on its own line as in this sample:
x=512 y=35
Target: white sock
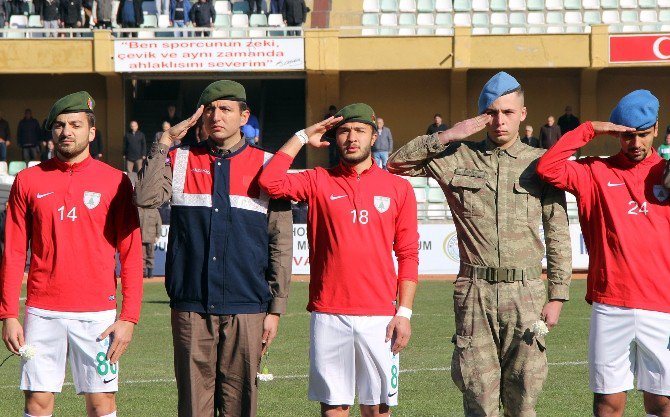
x=112 y=414
x=651 y=415
x=29 y=415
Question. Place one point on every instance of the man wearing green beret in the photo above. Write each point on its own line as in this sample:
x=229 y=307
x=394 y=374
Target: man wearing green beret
x=74 y=213
x=498 y=203
x=358 y=216
x=229 y=254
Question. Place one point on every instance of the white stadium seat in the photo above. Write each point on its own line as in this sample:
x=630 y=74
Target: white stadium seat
x=611 y=16
x=370 y=19
x=480 y=19
x=389 y=6
x=18 y=21
x=517 y=19
x=628 y=4
x=407 y=6
x=498 y=5
x=145 y=34
x=517 y=5
x=554 y=4
x=499 y=19
x=240 y=21
x=591 y=4
x=443 y=6
x=536 y=18
x=648 y=16
x=648 y=4
x=421 y=195
x=592 y=17
x=275 y=20
x=371 y=6
x=425 y=6
x=462 y=19
x=388 y=19
x=163 y=21
x=573 y=17
x=462 y=5
x=517 y=30
x=480 y=5
x=609 y=4
x=425 y=19
x=629 y=16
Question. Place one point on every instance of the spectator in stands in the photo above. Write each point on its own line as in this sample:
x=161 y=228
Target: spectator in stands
x=134 y=148
x=171 y=116
x=4 y=137
x=568 y=121
x=276 y=8
x=129 y=15
x=383 y=146
x=179 y=16
x=295 y=14
x=664 y=149
x=48 y=151
x=437 y=125
x=5 y=13
x=202 y=15
x=19 y=7
x=70 y=14
x=256 y=6
x=28 y=136
x=529 y=139
x=549 y=133
x=50 y=17
x=252 y=129
x=150 y=226
x=95 y=147
x=164 y=128
x=87 y=5
x=103 y=11
x=163 y=6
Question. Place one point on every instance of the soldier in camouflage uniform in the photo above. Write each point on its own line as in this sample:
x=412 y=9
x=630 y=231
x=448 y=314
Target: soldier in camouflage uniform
x=497 y=202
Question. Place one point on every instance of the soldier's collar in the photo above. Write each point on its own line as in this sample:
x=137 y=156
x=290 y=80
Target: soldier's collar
x=216 y=151
x=512 y=151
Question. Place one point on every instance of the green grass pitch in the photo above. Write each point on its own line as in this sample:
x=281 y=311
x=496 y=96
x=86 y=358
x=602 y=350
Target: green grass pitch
x=147 y=382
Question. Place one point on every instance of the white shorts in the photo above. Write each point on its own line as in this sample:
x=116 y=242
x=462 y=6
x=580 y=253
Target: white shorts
x=59 y=336
x=349 y=353
x=627 y=342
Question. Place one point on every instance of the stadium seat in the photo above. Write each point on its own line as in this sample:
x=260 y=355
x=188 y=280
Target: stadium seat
x=145 y=34
x=388 y=19
x=419 y=193
x=480 y=5
x=629 y=16
x=462 y=5
x=664 y=16
x=536 y=18
x=222 y=21
x=432 y=182
x=34 y=21
x=498 y=6
x=18 y=21
x=499 y=30
x=370 y=19
x=554 y=18
x=406 y=19
x=3 y=167
x=648 y=16
x=436 y=211
x=517 y=5
x=480 y=19
x=572 y=4
x=220 y=34
x=628 y=4
x=371 y=6
x=462 y=19
x=258 y=20
x=425 y=19
x=150 y=21
x=650 y=28
x=591 y=4
x=221 y=7
x=592 y=17
x=648 y=4
x=407 y=6
x=425 y=6
x=33 y=163
x=435 y=195
x=275 y=20
x=609 y=4
x=16 y=166
x=443 y=6
x=418 y=182
x=555 y=29
x=369 y=32
x=517 y=19
x=257 y=33
x=481 y=30
x=240 y=21
x=611 y=16
x=554 y=4
x=573 y=18
x=535 y=4
x=241 y=7
x=517 y=30
x=425 y=31
x=164 y=21
x=389 y=6
x=663 y=3
x=499 y=19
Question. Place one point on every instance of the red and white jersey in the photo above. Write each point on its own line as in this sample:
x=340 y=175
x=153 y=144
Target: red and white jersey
x=624 y=211
x=355 y=223
x=74 y=217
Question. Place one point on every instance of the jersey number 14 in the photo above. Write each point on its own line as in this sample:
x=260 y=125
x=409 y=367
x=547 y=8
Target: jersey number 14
x=72 y=214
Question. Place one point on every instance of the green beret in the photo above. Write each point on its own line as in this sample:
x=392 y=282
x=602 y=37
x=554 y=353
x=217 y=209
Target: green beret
x=77 y=102
x=358 y=112
x=222 y=90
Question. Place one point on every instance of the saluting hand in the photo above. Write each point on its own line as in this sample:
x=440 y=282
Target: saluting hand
x=610 y=128
x=464 y=129
x=316 y=131
x=179 y=130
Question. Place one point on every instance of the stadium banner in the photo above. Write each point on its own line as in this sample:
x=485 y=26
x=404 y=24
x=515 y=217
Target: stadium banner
x=209 y=54
x=438 y=250
x=626 y=49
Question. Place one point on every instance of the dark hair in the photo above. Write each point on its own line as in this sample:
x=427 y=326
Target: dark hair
x=243 y=106
x=438 y=115
x=332 y=108
x=91 y=119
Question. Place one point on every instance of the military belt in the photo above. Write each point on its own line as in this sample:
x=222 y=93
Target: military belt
x=493 y=274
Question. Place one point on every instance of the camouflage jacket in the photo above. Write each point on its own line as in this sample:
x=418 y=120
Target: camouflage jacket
x=497 y=201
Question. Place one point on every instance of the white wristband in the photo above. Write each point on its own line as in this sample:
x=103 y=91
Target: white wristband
x=302 y=136
x=404 y=312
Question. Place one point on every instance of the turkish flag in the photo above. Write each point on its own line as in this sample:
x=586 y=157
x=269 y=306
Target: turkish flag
x=640 y=48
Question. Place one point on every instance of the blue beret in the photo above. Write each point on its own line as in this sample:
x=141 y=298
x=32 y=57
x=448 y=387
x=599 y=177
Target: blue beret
x=638 y=110
x=499 y=85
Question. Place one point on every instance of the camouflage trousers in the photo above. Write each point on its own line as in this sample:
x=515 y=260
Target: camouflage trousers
x=497 y=360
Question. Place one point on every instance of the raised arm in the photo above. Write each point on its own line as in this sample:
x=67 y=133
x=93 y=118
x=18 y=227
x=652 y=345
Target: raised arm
x=412 y=158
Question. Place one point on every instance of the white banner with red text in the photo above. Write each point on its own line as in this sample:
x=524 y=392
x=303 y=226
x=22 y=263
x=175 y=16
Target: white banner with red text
x=209 y=54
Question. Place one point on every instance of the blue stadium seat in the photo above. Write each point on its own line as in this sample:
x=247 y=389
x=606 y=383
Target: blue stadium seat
x=241 y=7
x=425 y=6
x=498 y=5
x=435 y=195
x=480 y=19
x=609 y=4
x=370 y=19
x=15 y=167
x=535 y=4
x=444 y=20
x=592 y=17
x=572 y=4
x=389 y=6
x=648 y=4
x=462 y=5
